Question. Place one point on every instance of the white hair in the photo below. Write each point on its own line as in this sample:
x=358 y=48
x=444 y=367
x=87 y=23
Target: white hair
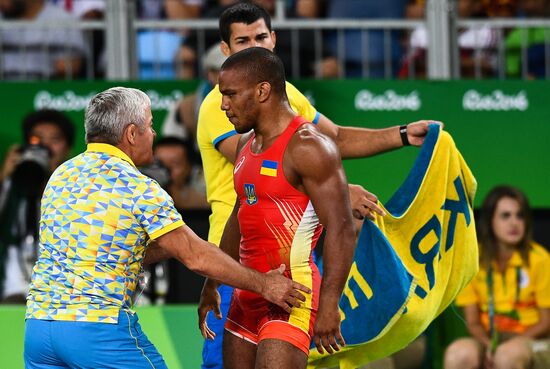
x=110 y=111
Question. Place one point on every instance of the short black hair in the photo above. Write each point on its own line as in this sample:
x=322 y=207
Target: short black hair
x=186 y=143
x=259 y=65
x=49 y=116
x=246 y=13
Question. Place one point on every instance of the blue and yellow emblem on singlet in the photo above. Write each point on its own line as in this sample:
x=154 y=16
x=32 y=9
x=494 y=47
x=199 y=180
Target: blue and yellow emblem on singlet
x=269 y=168
x=250 y=192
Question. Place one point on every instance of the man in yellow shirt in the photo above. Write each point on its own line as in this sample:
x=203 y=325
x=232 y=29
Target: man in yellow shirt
x=242 y=26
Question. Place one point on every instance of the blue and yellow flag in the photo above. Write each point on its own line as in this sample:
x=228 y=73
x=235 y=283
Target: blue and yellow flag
x=409 y=265
x=269 y=168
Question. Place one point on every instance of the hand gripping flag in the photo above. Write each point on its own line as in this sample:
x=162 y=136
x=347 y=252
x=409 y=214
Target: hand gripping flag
x=409 y=265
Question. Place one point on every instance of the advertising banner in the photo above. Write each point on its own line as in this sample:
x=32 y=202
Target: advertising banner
x=502 y=127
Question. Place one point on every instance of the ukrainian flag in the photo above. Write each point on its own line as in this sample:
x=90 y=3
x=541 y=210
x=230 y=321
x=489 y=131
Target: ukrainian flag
x=269 y=168
x=409 y=265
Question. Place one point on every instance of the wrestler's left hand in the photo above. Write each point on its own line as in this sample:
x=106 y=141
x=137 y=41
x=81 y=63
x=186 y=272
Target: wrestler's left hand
x=209 y=300
x=283 y=291
x=326 y=331
x=416 y=132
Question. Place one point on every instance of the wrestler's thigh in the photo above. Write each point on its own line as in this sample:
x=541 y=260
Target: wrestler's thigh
x=238 y=353
x=277 y=354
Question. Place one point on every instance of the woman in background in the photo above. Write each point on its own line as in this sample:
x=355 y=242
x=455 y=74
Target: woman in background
x=507 y=304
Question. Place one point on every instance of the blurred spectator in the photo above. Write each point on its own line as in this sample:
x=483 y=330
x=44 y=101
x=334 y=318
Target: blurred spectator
x=534 y=8
x=500 y=8
x=415 y=9
x=477 y=48
x=181 y=120
x=49 y=136
x=307 y=66
x=169 y=9
x=81 y=9
x=176 y=155
x=157 y=49
x=95 y=39
x=183 y=9
x=378 y=66
x=39 y=53
x=150 y=9
x=309 y=8
x=188 y=59
x=507 y=304
x=532 y=39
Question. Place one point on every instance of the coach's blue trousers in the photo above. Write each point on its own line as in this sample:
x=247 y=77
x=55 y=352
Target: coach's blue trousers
x=52 y=344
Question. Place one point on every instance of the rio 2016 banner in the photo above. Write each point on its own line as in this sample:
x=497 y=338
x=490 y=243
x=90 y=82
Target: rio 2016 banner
x=72 y=98
x=501 y=127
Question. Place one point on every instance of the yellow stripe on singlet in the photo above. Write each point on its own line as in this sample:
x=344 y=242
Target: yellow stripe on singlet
x=300 y=268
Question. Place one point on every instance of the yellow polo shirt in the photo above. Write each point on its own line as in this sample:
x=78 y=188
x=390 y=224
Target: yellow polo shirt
x=533 y=282
x=98 y=215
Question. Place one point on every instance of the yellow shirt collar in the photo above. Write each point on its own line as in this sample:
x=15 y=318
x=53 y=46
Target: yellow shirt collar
x=515 y=261
x=109 y=149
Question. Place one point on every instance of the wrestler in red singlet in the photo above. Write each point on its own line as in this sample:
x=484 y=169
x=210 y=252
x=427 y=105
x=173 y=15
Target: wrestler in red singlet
x=278 y=226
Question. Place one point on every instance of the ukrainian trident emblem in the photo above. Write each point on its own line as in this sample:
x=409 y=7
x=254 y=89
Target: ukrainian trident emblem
x=250 y=193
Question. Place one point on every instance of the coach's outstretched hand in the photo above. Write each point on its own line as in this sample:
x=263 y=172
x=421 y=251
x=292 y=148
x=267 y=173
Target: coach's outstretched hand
x=417 y=131
x=283 y=291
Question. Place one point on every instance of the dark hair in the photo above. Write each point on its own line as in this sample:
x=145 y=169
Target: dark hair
x=487 y=238
x=246 y=13
x=187 y=144
x=259 y=65
x=49 y=116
